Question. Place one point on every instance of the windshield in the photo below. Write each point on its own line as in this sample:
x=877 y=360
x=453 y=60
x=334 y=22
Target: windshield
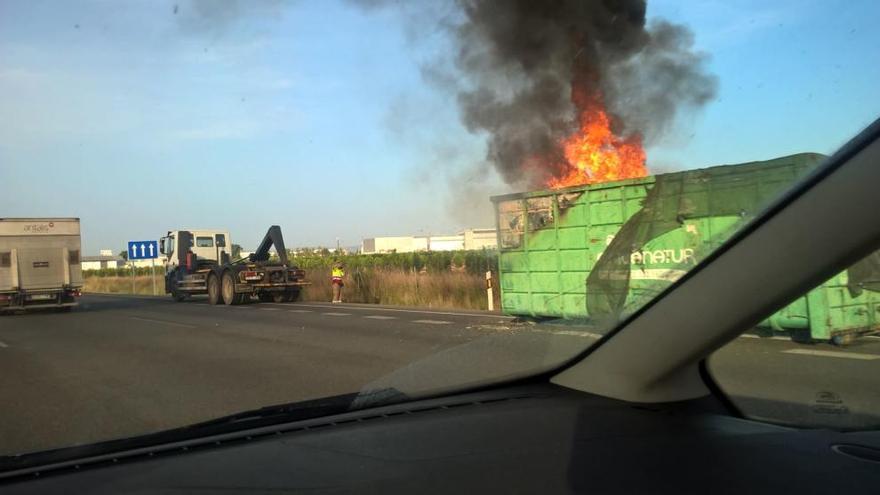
x=414 y=197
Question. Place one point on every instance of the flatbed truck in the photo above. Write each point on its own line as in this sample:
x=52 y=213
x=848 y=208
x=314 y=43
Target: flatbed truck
x=200 y=262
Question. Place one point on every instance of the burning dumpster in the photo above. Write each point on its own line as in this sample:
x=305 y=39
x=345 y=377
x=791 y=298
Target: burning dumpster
x=604 y=250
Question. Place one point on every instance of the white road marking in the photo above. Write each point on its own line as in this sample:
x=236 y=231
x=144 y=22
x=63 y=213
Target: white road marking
x=3 y=344
x=752 y=336
x=336 y=314
x=380 y=317
x=300 y=311
x=575 y=333
x=590 y=335
x=362 y=308
x=269 y=309
x=163 y=322
x=433 y=322
x=846 y=355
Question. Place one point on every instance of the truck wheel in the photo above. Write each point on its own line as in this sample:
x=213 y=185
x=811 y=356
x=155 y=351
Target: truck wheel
x=213 y=290
x=287 y=296
x=265 y=297
x=229 y=295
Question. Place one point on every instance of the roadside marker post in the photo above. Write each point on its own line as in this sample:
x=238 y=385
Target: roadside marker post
x=143 y=250
x=489 y=298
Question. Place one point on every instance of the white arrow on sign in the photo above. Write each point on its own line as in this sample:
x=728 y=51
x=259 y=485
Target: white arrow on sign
x=151 y=250
x=134 y=251
x=142 y=250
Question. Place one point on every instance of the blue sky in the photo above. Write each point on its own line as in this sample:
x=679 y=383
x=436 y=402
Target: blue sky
x=315 y=115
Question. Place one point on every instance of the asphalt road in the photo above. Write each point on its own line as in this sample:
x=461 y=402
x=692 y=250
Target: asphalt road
x=122 y=366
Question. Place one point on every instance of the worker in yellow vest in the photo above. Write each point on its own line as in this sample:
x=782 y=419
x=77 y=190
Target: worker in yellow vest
x=336 y=275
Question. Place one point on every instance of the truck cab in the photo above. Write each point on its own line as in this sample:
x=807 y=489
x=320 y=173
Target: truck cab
x=214 y=245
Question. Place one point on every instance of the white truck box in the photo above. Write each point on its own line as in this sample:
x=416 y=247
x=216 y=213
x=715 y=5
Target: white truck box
x=39 y=263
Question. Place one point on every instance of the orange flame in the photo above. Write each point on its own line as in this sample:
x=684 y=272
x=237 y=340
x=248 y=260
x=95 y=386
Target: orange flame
x=594 y=154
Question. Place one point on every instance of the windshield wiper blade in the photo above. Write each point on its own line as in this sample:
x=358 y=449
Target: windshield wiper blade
x=293 y=411
x=307 y=409
x=263 y=416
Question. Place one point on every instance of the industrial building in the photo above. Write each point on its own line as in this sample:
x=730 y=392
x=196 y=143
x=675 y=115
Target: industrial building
x=105 y=260
x=109 y=260
x=468 y=239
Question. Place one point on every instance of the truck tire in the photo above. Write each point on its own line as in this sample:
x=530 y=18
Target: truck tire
x=286 y=296
x=228 y=290
x=171 y=286
x=213 y=290
x=265 y=297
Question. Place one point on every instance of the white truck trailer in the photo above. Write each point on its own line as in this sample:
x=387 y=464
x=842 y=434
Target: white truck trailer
x=39 y=263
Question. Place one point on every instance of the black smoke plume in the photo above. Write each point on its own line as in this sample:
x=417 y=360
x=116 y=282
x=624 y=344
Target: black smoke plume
x=528 y=65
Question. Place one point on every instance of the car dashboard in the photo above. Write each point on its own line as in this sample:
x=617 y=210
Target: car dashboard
x=531 y=439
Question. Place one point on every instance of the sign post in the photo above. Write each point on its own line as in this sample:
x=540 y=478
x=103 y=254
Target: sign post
x=143 y=250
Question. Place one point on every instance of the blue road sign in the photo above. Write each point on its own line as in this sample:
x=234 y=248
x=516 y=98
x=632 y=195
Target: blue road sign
x=143 y=250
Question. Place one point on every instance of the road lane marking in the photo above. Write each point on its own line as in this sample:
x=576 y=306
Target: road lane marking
x=269 y=309
x=163 y=322
x=3 y=344
x=548 y=331
x=300 y=311
x=589 y=335
x=336 y=314
x=846 y=355
x=753 y=336
x=361 y=308
x=380 y=317
x=433 y=322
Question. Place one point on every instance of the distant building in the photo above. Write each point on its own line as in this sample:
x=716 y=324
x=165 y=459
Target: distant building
x=469 y=239
x=99 y=262
x=475 y=239
x=399 y=244
x=145 y=263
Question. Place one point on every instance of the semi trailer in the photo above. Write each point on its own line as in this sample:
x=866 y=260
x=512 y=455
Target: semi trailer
x=39 y=263
x=201 y=262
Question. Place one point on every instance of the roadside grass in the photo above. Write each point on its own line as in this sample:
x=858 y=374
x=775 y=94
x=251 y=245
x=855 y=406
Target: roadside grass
x=443 y=289
x=122 y=285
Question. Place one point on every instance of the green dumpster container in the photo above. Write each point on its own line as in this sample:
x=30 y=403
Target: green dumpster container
x=609 y=248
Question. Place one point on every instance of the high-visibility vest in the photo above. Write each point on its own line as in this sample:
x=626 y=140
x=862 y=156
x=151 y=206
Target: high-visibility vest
x=337 y=273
